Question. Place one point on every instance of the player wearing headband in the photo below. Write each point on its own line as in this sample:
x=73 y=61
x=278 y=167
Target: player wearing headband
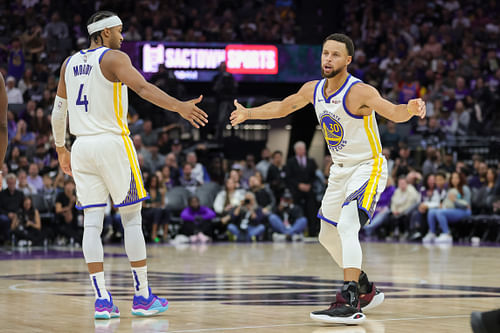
x=103 y=161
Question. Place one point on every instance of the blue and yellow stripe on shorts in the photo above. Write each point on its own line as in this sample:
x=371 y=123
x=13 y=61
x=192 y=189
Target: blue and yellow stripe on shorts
x=137 y=191
x=370 y=192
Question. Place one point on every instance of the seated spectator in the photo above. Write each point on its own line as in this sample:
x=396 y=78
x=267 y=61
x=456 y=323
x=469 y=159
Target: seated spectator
x=247 y=220
x=455 y=207
x=431 y=163
x=23 y=185
x=153 y=211
x=166 y=177
x=34 y=179
x=249 y=168
x=171 y=162
x=235 y=175
x=27 y=226
x=227 y=200
x=484 y=197
x=431 y=197
x=263 y=196
x=187 y=179
x=199 y=172
x=382 y=210
x=67 y=215
x=404 y=163
x=197 y=221
x=11 y=202
x=287 y=220
x=478 y=179
x=24 y=139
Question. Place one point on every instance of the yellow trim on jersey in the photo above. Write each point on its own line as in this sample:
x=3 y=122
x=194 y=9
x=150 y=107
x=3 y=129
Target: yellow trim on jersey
x=118 y=109
x=371 y=188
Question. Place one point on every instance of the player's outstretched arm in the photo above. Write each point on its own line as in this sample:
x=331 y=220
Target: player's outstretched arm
x=122 y=68
x=371 y=100
x=3 y=120
x=277 y=109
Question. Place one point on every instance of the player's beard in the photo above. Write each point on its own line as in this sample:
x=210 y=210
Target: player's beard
x=332 y=74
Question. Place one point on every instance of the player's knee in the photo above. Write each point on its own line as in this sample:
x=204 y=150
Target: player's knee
x=131 y=215
x=93 y=217
x=349 y=220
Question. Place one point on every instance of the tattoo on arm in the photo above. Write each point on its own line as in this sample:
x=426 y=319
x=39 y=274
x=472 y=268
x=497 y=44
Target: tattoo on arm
x=294 y=107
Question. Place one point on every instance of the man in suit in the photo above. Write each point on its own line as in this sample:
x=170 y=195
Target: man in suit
x=300 y=174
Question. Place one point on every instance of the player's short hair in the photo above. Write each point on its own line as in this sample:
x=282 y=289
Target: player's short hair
x=96 y=17
x=343 y=39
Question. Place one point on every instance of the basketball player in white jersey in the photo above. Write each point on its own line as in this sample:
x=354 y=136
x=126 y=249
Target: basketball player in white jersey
x=344 y=107
x=93 y=91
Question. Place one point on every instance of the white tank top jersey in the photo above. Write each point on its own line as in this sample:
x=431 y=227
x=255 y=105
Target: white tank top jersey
x=95 y=104
x=350 y=138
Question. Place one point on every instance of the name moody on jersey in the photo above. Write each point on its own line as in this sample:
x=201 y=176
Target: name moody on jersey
x=83 y=69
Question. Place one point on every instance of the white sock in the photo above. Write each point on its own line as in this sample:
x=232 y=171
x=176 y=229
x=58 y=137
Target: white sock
x=97 y=281
x=140 y=276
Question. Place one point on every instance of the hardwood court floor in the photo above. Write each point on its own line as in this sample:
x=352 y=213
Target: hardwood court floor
x=250 y=288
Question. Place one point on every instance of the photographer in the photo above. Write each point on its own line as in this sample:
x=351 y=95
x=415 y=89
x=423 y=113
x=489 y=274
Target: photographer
x=27 y=226
x=246 y=222
x=288 y=220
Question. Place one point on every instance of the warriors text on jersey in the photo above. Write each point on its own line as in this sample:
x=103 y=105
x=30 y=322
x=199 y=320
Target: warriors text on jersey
x=95 y=104
x=350 y=138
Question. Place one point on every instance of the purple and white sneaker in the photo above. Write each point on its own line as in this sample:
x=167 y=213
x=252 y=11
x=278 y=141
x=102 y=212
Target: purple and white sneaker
x=105 y=309
x=149 y=306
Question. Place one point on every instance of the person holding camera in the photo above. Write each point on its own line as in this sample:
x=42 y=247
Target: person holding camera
x=27 y=225
x=287 y=220
x=247 y=219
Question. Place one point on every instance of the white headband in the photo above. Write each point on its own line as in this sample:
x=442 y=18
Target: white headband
x=108 y=22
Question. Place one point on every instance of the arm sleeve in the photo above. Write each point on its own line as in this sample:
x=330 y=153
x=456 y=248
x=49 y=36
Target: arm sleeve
x=59 y=113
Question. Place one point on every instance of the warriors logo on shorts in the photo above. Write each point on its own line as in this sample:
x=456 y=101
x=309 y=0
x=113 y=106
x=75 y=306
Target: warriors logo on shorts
x=332 y=131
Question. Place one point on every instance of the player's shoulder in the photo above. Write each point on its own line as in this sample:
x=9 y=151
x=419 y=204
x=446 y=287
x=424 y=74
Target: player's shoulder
x=363 y=89
x=309 y=86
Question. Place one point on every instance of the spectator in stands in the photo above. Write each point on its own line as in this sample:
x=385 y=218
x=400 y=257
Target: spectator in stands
x=404 y=163
x=264 y=163
x=431 y=163
x=478 y=179
x=382 y=210
x=34 y=179
x=455 y=207
x=249 y=168
x=235 y=175
x=13 y=159
x=11 y=202
x=390 y=137
x=55 y=31
x=225 y=88
x=197 y=221
x=14 y=94
x=199 y=172
x=167 y=180
x=301 y=173
x=67 y=215
x=287 y=220
x=24 y=138
x=153 y=211
x=16 y=61
x=434 y=135
x=263 y=196
x=172 y=164
x=48 y=192
x=142 y=150
x=447 y=164
x=404 y=199
x=23 y=185
x=247 y=220
x=187 y=179
x=482 y=200
x=227 y=200
x=432 y=194
x=27 y=225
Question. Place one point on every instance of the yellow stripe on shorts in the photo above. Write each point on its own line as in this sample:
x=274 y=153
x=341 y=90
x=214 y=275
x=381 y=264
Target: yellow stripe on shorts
x=371 y=188
x=118 y=108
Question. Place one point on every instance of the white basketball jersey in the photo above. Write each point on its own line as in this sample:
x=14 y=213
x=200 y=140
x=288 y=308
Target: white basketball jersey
x=95 y=104
x=350 y=138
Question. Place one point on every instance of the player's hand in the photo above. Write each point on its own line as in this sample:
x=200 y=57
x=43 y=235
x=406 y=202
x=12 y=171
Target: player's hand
x=416 y=107
x=189 y=111
x=239 y=115
x=64 y=157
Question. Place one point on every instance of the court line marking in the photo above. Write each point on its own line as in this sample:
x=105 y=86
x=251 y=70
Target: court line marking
x=307 y=324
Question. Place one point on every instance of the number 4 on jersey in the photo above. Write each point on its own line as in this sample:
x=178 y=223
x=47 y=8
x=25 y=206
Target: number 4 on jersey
x=79 y=100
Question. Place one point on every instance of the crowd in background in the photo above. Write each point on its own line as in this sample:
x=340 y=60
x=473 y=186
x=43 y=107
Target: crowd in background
x=446 y=52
